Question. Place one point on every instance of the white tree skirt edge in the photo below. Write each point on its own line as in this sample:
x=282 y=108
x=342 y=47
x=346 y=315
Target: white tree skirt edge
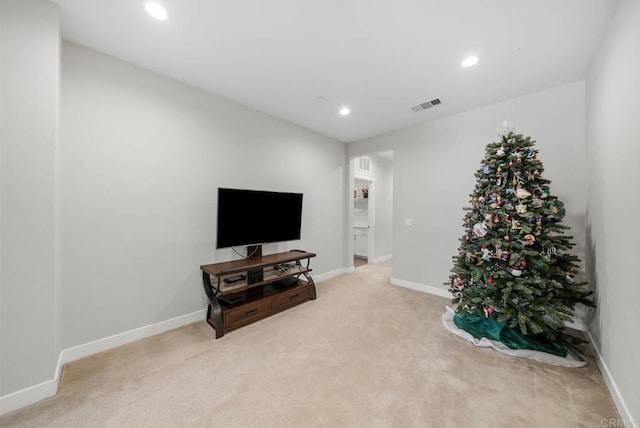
x=571 y=360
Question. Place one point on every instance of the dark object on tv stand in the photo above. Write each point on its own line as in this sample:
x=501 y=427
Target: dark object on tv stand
x=232 y=299
x=254 y=251
x=285 y=283
x=234 y=279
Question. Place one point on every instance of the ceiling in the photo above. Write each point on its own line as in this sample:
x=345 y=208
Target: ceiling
x=302 y=60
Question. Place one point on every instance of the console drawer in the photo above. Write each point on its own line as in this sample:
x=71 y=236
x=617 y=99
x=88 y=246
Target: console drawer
x=245 y=314
x=292 y=297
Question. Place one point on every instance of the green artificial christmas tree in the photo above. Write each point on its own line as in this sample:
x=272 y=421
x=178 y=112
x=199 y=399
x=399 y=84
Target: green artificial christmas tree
x=514 y=279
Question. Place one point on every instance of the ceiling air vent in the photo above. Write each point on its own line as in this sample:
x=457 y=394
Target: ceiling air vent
x=426 y=105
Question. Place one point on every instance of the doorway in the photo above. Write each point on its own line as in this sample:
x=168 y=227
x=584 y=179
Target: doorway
x=371 y=208
x=363 y=212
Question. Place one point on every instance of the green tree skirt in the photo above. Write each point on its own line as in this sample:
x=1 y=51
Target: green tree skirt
x=480 y=327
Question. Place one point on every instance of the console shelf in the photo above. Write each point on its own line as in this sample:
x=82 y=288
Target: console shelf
x=247 y=290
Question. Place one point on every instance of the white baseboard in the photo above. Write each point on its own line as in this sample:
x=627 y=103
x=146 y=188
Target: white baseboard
x=383 y=258
x=100 y=345
x=329 y=275
x=576 y=324
x=30 y=395
x=625 y=413
x=437 y=291
x=35 y=393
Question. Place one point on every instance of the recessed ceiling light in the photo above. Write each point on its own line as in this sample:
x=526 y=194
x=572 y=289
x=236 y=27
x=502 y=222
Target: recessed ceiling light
x=469 y=61
x=156 y=10
x=344 y=111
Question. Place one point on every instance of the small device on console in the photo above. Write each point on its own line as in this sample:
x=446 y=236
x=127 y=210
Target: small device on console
x=285 y=283
x=234 y=279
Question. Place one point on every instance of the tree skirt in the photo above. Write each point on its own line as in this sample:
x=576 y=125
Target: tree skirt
x=571 y=360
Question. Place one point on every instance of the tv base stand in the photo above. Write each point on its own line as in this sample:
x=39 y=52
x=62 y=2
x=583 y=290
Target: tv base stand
x=238 y=296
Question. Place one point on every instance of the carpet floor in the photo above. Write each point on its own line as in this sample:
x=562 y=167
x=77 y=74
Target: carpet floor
x=364 y=354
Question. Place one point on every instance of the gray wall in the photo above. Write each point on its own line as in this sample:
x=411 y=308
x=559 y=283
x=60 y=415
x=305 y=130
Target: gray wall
x=434 y=165
x=613 y=130
x=141 y=158
x=29 y=63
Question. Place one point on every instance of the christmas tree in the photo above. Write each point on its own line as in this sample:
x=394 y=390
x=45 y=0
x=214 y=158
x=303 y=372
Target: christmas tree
x=514 y=278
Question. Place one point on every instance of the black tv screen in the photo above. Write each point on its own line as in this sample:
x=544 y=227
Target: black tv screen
x=251 y=217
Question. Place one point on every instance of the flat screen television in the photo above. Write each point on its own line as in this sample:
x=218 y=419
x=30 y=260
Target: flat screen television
x=255 y=217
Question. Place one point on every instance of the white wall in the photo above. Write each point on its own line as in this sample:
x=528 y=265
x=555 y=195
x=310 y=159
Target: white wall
x=29 y=68
x=613 y=151
x=383 y=173
x=434 y=165
x=141 y=158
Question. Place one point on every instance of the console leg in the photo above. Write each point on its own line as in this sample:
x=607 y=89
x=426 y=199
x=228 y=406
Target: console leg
x=312 y=284
x=214 y=311
x=214 y=318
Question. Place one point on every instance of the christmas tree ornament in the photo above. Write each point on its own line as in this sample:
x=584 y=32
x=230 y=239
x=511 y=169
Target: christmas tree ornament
x=521 y=209
x=515 y=272
x=480 y=229
x=494 y=200
x=536 y=203
x=500 y=151
x=485 y=252
x=489 y=280
x=522 y=193
x=507 y=129
x=529 y=239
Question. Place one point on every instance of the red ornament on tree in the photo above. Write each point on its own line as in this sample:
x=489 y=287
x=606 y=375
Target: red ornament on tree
x=490 y=281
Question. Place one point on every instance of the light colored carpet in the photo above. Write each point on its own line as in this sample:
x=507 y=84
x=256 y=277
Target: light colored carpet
x=364 y=354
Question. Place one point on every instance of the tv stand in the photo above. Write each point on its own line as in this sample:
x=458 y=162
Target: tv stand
x=284 y=282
